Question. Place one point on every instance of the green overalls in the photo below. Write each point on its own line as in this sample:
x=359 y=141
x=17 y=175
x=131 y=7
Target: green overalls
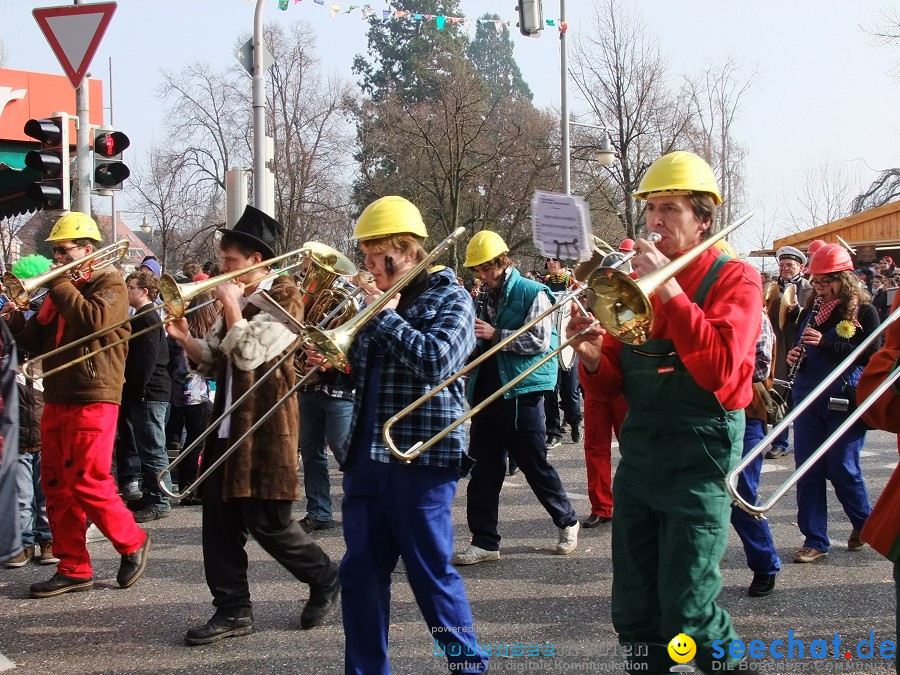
x=672 y=512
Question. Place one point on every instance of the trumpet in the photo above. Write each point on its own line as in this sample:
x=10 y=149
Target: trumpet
x=176 y=297
x=21 y=291
x=332 y=343
x=732 y=478
x=605 y=304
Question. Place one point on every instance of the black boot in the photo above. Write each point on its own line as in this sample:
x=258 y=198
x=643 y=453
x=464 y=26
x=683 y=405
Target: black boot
x=321 y=600
x=132 y=566
x=219 y=627
x=59 y=584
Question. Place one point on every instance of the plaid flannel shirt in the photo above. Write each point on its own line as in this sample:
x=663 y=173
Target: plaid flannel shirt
x=765 y=344
x=422 y=347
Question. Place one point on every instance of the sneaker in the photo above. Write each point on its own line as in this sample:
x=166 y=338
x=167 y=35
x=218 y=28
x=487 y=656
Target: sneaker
x=475 y=554
x=854 y=543
x=24 y=557
x=777 y=453
x=150 y=513
x=47 y=557
x=808 y=555
x=553 y=443
x=576 y=433
x=59 y=584
x=93 y=534
x=310 y=524
x=594 y=520
x=131 y=491
x=761 y=586
x=568 y=539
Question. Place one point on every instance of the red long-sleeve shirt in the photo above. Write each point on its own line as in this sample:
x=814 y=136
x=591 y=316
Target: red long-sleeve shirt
x=716 y=343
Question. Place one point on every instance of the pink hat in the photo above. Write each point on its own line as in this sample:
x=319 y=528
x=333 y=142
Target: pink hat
x=201 y=277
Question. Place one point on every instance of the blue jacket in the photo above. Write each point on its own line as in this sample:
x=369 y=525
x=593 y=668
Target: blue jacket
x=518 y=296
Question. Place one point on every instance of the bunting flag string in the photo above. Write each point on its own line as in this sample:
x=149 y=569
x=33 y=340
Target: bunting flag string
x=440 y=21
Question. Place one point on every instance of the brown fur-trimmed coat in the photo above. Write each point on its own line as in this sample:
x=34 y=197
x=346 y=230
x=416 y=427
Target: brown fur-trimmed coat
x=265 y=465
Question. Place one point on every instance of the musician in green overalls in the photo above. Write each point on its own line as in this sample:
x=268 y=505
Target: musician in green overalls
x=686 y=390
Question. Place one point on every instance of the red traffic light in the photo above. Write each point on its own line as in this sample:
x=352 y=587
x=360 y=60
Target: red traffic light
x=110 y=143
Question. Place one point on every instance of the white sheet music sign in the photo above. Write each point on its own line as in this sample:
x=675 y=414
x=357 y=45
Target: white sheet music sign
x=561 y=225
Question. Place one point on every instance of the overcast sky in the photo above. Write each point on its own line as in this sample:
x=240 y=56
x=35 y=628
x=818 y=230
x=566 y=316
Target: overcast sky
x=824 y=90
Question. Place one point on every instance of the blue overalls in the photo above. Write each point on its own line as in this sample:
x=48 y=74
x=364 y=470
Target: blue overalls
x=840 y=464
x=670 y=528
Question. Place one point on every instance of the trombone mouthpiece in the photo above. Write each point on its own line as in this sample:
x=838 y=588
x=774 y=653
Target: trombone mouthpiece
x=654 y=237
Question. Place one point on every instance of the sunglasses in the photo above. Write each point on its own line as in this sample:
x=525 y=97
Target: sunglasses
x=63 y=250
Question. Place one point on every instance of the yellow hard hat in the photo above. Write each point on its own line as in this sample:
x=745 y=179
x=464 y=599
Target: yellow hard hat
x=74 y=225
x=389 y=215
x=679 y=171
x=484 y=246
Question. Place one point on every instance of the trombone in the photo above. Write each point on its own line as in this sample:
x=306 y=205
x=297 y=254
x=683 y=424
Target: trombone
x=176 y=297
x=21 y=291
x=334 y=344
x=732 y=477
x=611 y=294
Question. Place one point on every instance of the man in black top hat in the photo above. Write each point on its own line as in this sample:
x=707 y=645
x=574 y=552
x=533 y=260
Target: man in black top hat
x=255 y=488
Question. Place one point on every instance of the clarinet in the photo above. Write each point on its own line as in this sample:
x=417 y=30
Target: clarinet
x=795 y=368
x=480 y=300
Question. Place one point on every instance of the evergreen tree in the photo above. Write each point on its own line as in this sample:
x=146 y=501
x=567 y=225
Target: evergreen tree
x=491 y=52
x=410 y=57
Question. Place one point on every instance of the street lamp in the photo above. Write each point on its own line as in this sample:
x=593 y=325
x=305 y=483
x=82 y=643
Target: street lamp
x=606 y=155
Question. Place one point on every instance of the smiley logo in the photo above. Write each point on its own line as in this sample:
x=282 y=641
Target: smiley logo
x=682 y=648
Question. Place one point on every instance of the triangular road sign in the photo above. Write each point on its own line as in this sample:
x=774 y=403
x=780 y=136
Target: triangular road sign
x=74 y=33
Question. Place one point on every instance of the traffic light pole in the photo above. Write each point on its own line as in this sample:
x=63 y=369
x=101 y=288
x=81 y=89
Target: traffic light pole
x=82 y=201
x=564 y=99
x=259 y=111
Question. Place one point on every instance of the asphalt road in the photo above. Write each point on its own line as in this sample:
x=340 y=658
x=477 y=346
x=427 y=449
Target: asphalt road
x=529 y=597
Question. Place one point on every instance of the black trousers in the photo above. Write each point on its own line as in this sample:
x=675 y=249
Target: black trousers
x=226 y=525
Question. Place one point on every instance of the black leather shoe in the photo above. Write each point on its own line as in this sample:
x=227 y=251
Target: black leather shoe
x=594 y=520
x=218 y=628
x=576 y=433
x=310 y=524
x=761 y=586
x=59 y=584
x=132 y=566
x=321 y=601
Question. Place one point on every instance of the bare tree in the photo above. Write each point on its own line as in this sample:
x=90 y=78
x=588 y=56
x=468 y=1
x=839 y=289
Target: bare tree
x=4 y=55
x=622 y=76
x=883 y=190
x=715 y=97
x=823 y=194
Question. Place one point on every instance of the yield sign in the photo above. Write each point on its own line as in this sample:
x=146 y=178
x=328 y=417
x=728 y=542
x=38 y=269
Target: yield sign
x=74 y=33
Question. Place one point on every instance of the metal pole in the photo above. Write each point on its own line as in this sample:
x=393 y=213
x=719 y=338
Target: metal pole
x=112 y=196
x=564 y=97
x=82 y=145
x=259 y=110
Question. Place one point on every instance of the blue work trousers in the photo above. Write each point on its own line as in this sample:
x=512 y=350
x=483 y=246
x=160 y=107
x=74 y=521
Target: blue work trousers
x=754 y=533
x=840 y=465
x=323 y=419
x=394 y=510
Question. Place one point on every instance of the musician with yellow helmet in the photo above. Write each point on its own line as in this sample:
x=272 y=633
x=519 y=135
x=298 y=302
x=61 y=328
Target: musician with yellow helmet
x=686 y=389
x=394 y=509
x=78 y=427
x=514 y=423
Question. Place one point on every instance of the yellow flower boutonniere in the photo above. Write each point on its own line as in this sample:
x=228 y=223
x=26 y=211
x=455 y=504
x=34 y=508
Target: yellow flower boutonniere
x=846 y=329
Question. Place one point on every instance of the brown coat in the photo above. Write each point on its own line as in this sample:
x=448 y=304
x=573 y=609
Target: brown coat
x=99 y=302
x=265 y=465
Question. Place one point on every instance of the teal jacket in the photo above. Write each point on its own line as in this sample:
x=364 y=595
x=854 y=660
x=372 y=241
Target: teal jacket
x=518 y=296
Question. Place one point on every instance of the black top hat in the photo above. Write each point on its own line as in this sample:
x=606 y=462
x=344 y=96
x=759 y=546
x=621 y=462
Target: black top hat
x=257 y=229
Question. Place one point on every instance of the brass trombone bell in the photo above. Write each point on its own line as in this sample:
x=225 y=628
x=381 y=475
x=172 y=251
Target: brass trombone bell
x=20 y=291
x=622 y=304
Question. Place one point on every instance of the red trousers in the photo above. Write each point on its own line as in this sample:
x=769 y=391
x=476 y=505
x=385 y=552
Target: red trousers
x=77 y=447
x=601 y=418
